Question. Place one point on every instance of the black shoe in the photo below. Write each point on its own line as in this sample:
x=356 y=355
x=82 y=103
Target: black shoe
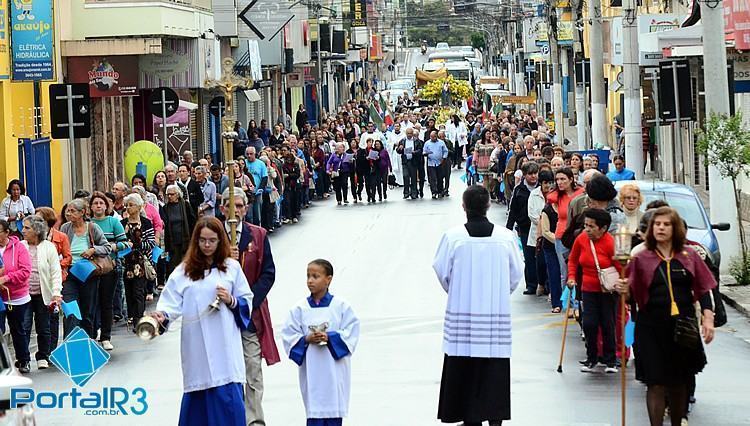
x=346 y=201
x=528 y=292
x=406 y=197
x=24 y=367
x=434 y=196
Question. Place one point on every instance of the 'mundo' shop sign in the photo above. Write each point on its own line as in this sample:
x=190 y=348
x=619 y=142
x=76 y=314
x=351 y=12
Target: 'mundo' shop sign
x=32 y=37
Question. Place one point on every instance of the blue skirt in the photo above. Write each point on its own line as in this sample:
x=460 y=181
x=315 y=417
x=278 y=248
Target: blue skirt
x=219 y=406
x=325 y=422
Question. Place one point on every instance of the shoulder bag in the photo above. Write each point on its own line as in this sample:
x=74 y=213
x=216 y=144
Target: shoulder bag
x=686 y=332
x=608 y=277
x=104 y=264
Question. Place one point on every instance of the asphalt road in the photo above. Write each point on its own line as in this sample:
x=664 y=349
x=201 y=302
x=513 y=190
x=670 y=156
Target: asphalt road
x=382 y=255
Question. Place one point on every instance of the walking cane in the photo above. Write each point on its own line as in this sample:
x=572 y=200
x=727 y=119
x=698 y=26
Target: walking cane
x=565 y=330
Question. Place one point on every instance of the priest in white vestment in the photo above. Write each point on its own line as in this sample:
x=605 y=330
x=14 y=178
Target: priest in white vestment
x=479 y=265
x=213 y=365
x=392 y=141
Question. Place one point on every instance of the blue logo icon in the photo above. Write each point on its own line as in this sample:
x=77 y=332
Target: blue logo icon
x=79 y=357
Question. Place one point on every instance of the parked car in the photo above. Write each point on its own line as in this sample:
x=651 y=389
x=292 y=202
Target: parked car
x=10 y=378
x=690 y=207
x=442 y=46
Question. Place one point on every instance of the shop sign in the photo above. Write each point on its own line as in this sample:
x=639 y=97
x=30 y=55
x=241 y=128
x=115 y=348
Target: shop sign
x=106 y=76
x=32 y=40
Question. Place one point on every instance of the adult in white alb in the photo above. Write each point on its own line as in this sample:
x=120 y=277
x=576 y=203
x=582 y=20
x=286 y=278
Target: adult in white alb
x=475 y=385
x=392 y=140
x=456 y=132
x=371 y=134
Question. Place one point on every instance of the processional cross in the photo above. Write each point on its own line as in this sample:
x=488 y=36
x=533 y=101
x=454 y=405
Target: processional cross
x=228 y=84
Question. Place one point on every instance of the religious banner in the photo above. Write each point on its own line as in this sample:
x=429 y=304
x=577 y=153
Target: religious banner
x=358 y=9
x=106 y=76
x=32 y=40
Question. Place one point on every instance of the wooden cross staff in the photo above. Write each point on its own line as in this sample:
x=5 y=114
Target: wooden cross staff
x=229 y=82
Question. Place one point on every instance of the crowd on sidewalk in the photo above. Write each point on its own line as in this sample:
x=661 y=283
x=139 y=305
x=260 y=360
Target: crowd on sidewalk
x=112 y=250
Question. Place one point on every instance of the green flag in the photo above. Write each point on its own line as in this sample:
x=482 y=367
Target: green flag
x=375 y=117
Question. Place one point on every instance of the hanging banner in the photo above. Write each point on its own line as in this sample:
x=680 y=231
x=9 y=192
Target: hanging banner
x=358 y=10
x=4 y=57
x=106 y=76
x=737 y=23
x=32 y=40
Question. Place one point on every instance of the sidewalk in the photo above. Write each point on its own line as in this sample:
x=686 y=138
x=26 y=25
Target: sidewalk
x=736 y=296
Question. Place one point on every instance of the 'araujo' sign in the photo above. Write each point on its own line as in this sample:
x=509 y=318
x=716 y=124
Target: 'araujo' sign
x=32 y=40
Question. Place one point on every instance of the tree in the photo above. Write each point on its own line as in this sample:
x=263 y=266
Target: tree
x=477 y=41
x=726 y=145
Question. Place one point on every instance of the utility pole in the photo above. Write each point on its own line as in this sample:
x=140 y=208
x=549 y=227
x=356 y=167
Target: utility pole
x=717 y=101
x=554 y=52
x=582 y=111
x=598 y=97
x=319 y=98
x=632 y=79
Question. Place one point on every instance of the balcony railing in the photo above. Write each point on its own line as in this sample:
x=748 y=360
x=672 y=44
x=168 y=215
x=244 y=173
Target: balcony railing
x=197 y=4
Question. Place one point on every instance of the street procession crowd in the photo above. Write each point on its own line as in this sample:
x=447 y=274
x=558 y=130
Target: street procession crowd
x=111 y=251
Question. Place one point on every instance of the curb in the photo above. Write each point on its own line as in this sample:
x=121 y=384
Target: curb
x=742 y=309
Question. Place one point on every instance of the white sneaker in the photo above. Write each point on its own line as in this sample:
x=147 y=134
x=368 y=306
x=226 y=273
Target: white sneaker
x=107 y=345
x=295 y=220
x=611 y=370
x=42 y=364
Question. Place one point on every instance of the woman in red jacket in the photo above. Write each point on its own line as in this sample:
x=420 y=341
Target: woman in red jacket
x=15 y=272
x=599 y=306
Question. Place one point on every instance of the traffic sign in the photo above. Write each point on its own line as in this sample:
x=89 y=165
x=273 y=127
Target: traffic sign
x=216 y=106
x=70 y=111
x=269 y=17
x=170 y=99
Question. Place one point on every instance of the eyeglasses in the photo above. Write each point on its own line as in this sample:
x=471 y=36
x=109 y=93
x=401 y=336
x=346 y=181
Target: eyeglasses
x=208 y=241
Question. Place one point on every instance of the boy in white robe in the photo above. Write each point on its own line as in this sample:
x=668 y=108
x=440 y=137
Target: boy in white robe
x=320 y=334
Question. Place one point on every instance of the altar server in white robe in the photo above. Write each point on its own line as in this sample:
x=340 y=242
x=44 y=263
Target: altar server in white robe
x=479 y=265
x=320 y=334
x=393 y=140
x=213 y=366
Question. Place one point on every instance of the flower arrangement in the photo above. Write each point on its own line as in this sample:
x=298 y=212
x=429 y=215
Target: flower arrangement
x=459 y=89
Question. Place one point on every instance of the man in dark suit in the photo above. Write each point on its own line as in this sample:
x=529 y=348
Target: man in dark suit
x=194 y=193
x=413 y=162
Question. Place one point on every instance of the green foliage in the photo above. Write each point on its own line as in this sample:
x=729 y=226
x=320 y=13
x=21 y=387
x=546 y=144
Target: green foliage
x=726 y=145
x=739 y=268
x=423 y=20
x=477 y=41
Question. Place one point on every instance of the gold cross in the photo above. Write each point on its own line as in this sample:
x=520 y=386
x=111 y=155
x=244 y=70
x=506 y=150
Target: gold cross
x=228 y=83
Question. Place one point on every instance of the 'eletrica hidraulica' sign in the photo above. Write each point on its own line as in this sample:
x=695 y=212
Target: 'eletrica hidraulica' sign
x=32 y=39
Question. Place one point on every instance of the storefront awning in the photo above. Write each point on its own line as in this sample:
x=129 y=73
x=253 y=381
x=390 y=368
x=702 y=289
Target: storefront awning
x=658 y=45
x=188 y=105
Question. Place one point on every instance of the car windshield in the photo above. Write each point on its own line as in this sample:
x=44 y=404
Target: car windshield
x=688 y=207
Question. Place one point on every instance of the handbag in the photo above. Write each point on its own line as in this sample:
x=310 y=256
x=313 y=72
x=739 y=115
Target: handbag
x=104 y=264
x=149 y=272
x=686 y=331
x=608 y=277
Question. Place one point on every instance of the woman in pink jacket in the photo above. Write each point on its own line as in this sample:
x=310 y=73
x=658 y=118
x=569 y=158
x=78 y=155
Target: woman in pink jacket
x=14 y=288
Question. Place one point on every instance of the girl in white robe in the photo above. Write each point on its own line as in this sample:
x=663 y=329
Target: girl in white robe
x=320 y=334
x=213 y=366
